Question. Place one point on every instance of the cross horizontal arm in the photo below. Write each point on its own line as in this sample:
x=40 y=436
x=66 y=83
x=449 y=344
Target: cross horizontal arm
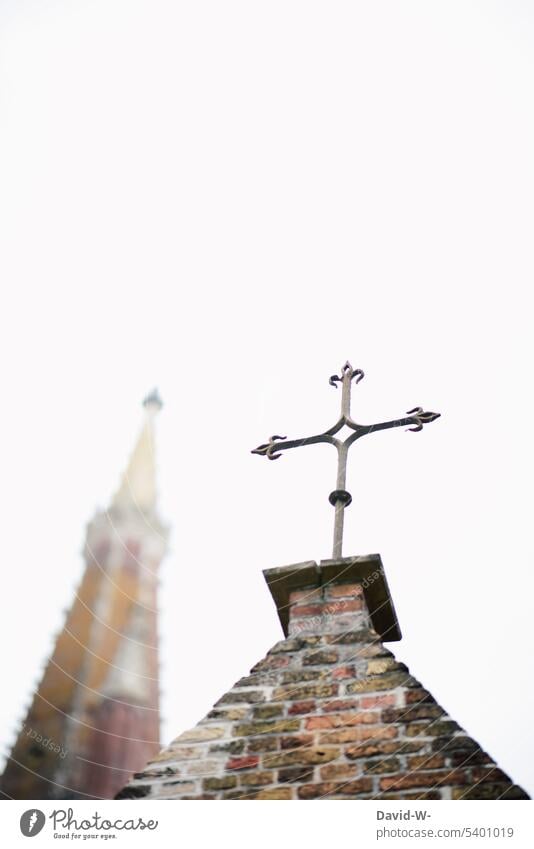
x=418 y=418
x=273 y=448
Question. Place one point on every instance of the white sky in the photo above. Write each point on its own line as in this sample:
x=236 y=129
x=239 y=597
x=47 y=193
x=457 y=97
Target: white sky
x=228 y=200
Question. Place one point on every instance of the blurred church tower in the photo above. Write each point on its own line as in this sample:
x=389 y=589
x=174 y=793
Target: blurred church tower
x=94 y=720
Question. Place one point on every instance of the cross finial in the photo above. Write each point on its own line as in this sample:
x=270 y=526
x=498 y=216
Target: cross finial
x=340 y=498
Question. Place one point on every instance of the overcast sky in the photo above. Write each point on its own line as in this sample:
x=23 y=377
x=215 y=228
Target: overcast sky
x=229 y=200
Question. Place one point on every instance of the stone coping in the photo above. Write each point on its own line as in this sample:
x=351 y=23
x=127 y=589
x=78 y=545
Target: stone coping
x=366 y=570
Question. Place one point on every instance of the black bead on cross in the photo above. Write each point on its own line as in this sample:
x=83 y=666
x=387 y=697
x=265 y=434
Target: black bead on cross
x=340 y=498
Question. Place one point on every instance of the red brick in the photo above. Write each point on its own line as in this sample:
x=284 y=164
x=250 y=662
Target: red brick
x=378 y=701
x=344 y=591
x=310 y=595
x=343 y=672
x=248 y=762
x=340 y=704
x=340 y=607
x=302 y=707
x=306 y=610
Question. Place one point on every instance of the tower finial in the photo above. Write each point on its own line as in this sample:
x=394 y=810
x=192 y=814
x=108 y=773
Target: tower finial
x=153 y=400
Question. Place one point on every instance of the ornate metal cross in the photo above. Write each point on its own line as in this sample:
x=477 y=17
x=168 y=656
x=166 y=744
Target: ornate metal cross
x=340 y=498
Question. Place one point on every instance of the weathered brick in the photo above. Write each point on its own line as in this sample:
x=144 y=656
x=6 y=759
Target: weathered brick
x=456 y=743
x=134 y=791
x=262 y=744
x=202 y=767
x=267 y=711
x=233 y=747
x=317 y=791
x=344 y=591
x=379 y=665
x=276 y=793
x=375 y=649
x=253 y=680
x=382 y=765
x=202 y=796
x=295 y=741
x=296 y=773
x=285 y=645
x=418 y=696
x=223 y=783
x=297 y=675
x=250 y=696
x=302 y=707
x=271 y=662
x=383 y=748
x=297 y=694
x=442 y=778
x=412 y=714
x=180 y=753
x=489 y=791
x=364 y=635
x=199 y=734
x=245 y=762
x=424 y=794
x=172 y=789
x=229 y=714
x=431 y=729
x=489 y=773
x=276 y=726
x=354 y=788
x=320 y=658
x=256 y=779
x=459 y=758
x=349 y=735
x=331 y=772
x=426 y=762
x=316 y=755
x=389 y=681
x=336 y=720
x=307 y=641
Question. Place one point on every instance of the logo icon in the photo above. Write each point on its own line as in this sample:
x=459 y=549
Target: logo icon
x=31 y=822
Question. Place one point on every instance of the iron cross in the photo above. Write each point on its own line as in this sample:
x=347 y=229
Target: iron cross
x=340 y=498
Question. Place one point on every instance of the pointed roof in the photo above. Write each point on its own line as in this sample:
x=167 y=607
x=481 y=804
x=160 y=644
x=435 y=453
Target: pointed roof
x=138 y=485
x=329 y=713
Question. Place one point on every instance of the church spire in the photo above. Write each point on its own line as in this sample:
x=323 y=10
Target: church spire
x=94 y=718
x=138 y=485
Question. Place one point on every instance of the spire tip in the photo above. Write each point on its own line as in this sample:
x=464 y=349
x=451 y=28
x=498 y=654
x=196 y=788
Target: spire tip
x=153 y=400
